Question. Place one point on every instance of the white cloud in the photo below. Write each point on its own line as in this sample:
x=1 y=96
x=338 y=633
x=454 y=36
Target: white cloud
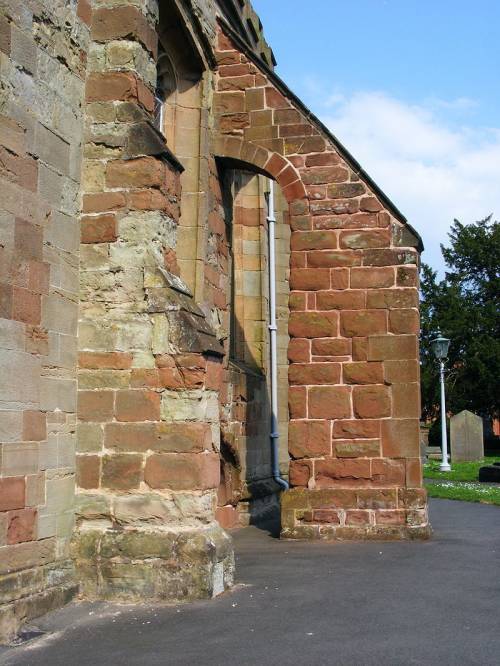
x=433 y=169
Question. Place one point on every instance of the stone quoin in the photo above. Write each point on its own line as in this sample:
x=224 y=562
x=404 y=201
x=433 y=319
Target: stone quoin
x=137 y=141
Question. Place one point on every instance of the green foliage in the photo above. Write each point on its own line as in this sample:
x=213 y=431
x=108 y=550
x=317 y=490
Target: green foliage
x=465 y=306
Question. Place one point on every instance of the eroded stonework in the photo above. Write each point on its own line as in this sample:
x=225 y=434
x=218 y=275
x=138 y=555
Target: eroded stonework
x=137 y=140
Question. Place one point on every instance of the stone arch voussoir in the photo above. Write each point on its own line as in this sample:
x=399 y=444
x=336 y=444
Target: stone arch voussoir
x=265 y=161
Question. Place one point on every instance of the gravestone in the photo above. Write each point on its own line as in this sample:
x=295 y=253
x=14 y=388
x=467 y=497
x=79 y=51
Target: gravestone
x=466 y=437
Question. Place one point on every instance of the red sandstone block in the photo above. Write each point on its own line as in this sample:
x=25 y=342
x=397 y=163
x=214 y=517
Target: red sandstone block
x=314 y=373
x=254 y=99
x=335 y=207
x=407 y=276
x=329 y=402
x=12 y=493
x=389 y=257
x=229 y=102
x=99 y=229
x=392 y=347
x=370 y=204
x=372 y=277
x=26 y=306
x=406 y=400
x=121 y=471
x=214 y=375
x=313 y=324
x=404 y=321
x=310 y=279
x=331 y=347
x=299 y=350
x=359 y=349
x=28 y=240
x=287 y=117
x=95 y=405
x=84 y=11
x=363 y=322
x=346 y=299
x=324 y=175
x=103 y=201
x=298 y=259
x=357 y=517
x=224 y=43
x=21 y=526
x=367 y=238
x=326 y=516
x=144 y=378
x=38 y=277
x=356 y=428
x=236 y=82
x=123 y=22
x=373 y=498
x=401 y=371
x=413 y=472
x=412 y=498
x=233 y=123
x=137 y=405
x=105 y=360
x=333 y=259
x=322 y=159
x=309 y=439
x=392 y=298
x=297 y=402
x=111 y=86
x=339 y=278
x=293 y=191
x=189 y=471
x=236 y=69
x=300 y=222
x=300 y=471
x=371 y=401
x=316 y=192
x=357 y=448
x=130 y=437
x=34 y=426
x=392 y=517
x=314 y=240
x=361 y=372
x=275 y=100
x=304 y=144
x=387 y=472
x=88 y=469
x=401 y=438
x=170 y=378
x=333 y=471
x=141 y=172
x=297 y=301
x=227 y=517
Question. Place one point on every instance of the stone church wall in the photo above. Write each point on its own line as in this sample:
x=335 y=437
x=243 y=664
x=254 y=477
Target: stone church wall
x=43 y=56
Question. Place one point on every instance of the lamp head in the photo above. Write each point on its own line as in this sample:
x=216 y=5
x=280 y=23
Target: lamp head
x=440 y=346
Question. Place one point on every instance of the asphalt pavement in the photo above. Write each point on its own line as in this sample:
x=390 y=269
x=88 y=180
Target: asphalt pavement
x=361 y=604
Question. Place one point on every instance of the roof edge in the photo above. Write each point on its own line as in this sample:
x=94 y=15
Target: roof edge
x=349 y=158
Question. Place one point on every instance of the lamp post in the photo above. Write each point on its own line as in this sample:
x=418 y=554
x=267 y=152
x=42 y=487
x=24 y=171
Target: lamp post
x=440 y=347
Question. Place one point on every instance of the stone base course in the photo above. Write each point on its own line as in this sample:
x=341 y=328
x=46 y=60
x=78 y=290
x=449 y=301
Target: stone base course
x=154 y=565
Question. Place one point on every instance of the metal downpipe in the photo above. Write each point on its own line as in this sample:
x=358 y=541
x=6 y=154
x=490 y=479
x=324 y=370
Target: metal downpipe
x=273 y=330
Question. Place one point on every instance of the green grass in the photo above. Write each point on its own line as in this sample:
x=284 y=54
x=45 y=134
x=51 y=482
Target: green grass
x=467 y=491
x=460 y=471
x=461 y=483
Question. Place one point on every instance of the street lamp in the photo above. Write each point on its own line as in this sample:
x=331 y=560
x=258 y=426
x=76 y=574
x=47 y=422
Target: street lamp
x=440 y=347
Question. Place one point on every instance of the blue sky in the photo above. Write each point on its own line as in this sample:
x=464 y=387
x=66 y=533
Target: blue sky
x=412 y=88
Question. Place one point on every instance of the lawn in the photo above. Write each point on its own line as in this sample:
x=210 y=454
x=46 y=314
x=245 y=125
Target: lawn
x=461 y=483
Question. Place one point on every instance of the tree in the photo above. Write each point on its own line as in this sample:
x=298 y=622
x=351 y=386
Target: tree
x=465 y=306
